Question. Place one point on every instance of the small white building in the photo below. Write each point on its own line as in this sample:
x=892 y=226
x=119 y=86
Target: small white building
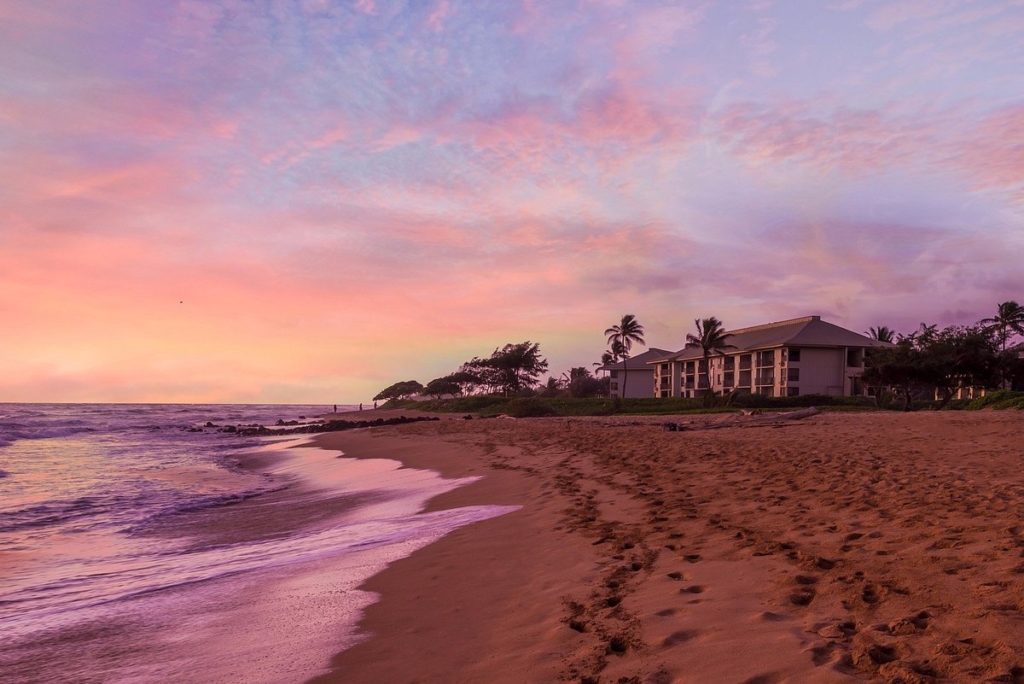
x=785 y=359
x=636 y=373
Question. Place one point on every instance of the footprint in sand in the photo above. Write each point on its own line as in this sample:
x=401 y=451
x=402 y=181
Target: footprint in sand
x=680 y=637
x=768 y=616
x=803 y=596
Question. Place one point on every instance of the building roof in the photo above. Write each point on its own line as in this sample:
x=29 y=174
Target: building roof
x=638 y=362
x=809 y=331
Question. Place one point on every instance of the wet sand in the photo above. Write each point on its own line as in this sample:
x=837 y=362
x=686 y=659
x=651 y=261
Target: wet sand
x=844 y=547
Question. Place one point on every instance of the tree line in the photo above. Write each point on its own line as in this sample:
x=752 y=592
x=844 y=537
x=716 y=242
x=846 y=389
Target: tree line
x=929 y=360
x=507 y=371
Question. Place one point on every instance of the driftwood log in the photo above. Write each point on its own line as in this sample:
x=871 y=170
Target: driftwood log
x=763 y=420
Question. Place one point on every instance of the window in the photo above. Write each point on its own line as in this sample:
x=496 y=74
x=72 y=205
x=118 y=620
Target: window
x=615 y=373
x=793 y=375
x=745 y=362
x=766 y=358
x=728 y=379
x=615 y=385
x=794 y=356
x=792 y=391
x=730 y=363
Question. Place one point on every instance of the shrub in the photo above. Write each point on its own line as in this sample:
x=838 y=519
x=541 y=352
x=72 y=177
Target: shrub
x=529 y=407
x=998 y=400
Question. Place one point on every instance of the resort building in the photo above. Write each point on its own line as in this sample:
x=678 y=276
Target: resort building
x=635 y=373
x=789 y=358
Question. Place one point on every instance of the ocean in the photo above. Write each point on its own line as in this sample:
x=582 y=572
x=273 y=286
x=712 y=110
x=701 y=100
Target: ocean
x=145 y=543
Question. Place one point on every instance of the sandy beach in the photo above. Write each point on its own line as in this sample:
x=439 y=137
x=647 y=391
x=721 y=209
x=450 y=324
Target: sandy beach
x=844 y=547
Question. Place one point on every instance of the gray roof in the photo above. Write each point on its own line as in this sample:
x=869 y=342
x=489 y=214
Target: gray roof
x=638 y=362
x=809 y=331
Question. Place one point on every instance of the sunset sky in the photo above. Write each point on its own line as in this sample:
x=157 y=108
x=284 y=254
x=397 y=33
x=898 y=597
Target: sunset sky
x=308 y=200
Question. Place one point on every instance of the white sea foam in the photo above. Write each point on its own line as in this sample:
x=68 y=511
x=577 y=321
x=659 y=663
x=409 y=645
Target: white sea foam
x=140 y=608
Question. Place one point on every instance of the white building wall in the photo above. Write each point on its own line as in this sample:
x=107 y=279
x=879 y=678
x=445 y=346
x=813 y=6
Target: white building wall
x=822 y=371
x=639 y=385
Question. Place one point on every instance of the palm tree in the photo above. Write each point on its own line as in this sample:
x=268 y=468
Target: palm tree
x=610 y=356
x=711 y=338
x=881 y=333
x=1009 y=319
x=621 y=338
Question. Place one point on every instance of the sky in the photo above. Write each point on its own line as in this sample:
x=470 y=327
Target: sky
x=307 y=200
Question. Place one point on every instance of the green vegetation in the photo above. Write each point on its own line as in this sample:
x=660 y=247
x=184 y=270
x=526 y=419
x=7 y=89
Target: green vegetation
x=1003 y=399
x=936 y=361
x=521 y=407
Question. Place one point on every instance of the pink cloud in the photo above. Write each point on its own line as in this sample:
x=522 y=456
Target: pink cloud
x=892 y=14
x=440 y=13
x=993 y=155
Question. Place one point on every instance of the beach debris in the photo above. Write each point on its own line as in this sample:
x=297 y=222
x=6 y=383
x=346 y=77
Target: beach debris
x=748 y=419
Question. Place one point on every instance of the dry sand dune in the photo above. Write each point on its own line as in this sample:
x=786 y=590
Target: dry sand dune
x=846 y=547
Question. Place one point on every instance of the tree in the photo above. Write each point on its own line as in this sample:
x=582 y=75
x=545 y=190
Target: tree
x=611 y=356
x=1009 y=318
x=932 y=360
x=583 y=384
x=439 y=387
x=510 y=369
x=465 y=379
x=400 y=390
x=881 y=333
x=621 y=337
x=711 y=339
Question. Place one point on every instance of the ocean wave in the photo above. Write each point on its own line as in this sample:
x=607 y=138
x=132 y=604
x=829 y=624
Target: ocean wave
x=12 y=433
x=52 y=513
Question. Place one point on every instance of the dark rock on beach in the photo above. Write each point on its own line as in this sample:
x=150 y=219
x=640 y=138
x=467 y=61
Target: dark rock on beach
x=329 y=426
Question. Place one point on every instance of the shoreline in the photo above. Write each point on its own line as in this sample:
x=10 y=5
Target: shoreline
x=849 y=547
x=455 y=605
